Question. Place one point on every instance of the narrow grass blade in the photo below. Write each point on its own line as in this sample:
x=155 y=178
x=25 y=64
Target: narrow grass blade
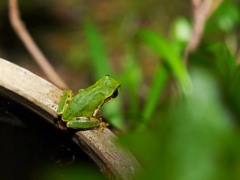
x=168 y=53
x=97 y=50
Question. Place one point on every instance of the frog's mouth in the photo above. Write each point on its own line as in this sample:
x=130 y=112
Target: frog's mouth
x=113 y=96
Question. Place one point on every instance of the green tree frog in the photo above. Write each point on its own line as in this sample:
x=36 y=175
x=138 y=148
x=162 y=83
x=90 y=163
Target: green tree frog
x=80 y=110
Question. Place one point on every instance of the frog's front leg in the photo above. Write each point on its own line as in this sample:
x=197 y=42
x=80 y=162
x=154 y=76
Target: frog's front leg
x=64 y=101
x=96 y=112
x=83 y=122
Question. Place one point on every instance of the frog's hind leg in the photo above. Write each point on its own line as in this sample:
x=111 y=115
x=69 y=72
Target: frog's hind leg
x=83 y=123
x=64 y=101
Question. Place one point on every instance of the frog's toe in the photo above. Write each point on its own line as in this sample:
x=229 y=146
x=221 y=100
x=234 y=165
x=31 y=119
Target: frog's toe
x=102 y=126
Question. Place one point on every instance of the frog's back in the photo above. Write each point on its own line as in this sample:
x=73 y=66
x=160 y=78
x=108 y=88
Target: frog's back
x=84 y=103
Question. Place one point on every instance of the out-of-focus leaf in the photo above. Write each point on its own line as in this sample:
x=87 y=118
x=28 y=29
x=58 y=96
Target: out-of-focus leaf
x=195 y=140
x=131 y=79
x=170 y=55
x=181 y=30
x=153 y=96
x=225 y=18
x=112 y=111
x=97 y=51
x=101 y=66
x=223 y=60
x=200 y=129
x=228 y=16
x=232 y=93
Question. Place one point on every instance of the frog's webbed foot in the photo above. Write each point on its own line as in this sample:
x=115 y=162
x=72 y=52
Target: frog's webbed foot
x=102 y=126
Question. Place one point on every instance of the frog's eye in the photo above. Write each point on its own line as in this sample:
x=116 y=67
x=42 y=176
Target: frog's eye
x=115 y=93
x=113 y=96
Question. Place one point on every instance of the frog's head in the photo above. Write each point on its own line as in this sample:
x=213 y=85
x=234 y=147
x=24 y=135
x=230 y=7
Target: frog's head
x=110 y=87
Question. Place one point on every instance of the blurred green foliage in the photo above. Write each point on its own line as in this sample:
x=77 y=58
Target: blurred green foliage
x=181 y=123
x=196 y=134
x=194 y=139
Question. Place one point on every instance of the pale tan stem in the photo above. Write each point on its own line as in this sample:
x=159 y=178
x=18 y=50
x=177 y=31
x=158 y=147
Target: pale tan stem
x=202 y=10
x=29 y=43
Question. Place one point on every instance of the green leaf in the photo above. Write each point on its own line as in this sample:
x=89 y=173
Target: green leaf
x=153 y=96
x=200 y=130
x=223 y=60
x=169 y=54
x=97 y=51
x=224 y=19
x=227 y=16
x=195 y=139
x=131 y=79
x=181 y=30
